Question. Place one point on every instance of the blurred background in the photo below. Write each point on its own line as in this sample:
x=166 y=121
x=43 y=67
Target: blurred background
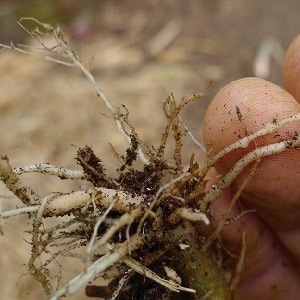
x=139 y=52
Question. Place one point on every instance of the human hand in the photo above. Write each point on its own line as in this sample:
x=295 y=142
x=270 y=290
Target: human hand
x=272 y=261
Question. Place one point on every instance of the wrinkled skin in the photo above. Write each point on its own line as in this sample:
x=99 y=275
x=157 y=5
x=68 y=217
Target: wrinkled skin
x=273 y=231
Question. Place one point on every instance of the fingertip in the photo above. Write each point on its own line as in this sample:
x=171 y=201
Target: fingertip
x=245 y=104
x=291 y=68
x=274 y=189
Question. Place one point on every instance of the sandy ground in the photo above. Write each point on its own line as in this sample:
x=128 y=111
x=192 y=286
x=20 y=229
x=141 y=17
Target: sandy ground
x=139 y=53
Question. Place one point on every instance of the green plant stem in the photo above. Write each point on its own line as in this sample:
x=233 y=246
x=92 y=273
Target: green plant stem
x=196 y=268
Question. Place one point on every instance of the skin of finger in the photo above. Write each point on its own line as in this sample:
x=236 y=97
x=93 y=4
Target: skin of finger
x=274 y=191
x=261 y=244
x=263 y=249
x=266 y=259
x=280 y=282
x=259 y=240
x=291 y=68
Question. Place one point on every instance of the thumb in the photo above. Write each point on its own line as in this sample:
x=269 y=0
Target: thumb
x=291 y=68
x=274 y=191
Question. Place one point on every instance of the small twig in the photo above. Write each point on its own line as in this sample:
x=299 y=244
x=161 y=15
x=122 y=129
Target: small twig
x=164 y=38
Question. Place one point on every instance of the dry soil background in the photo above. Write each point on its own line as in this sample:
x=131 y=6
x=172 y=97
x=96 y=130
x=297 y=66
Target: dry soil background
x=139 y=51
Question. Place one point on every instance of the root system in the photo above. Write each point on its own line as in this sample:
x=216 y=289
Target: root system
x=135 y=229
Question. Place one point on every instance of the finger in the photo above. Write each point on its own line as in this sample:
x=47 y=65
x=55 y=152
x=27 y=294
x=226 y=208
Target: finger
x=274 y=191
x=291 y=68
x=269 y=271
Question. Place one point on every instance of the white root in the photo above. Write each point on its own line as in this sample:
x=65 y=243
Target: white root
x=239 y=166
x=125 y=203
x=100 y=266
x=19 y=211
x=141 y=269
x=68 y=57
x=228 y=210
x=66 y=203
x=240 y=265
x=13 y=183
x=125 y=219
x=98 y=223
x=48 y=169
x=121 y=283
x=244 y=142
x=188 y=214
